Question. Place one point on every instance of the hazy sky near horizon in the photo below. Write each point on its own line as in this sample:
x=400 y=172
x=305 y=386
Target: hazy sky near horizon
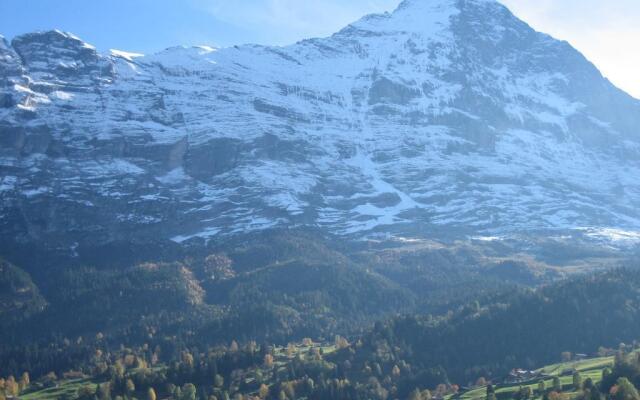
x=606 y=32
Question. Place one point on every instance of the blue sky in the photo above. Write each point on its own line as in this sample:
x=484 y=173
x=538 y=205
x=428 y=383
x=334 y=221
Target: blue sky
x=607 y=32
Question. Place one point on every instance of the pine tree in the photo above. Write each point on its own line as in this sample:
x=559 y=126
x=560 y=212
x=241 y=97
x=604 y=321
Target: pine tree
x=588 y=384
x=577 y=381
x=557 y=385
x=541 y=387
x=491 y=392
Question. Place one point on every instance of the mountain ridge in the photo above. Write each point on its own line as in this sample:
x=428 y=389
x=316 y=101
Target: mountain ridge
x=459 y=118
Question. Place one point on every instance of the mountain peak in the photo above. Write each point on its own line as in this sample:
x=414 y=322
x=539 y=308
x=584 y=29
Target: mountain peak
x=427 y=17
x=4 y=44
x=418 y=8
x=53 y=37
x=44 y=45
x=419 y=16
x=425 y=4
x=59 y=54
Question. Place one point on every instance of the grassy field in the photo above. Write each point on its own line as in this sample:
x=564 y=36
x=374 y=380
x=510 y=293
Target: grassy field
x=65 y=389
x=69 y=388
x=591 y=368
x=584 y=365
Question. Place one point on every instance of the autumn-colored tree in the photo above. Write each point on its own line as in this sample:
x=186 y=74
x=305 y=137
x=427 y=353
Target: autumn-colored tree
x=130 y=387
x=189 y=392
x=104 y=391
x=218 y=381
x=291 y=349
x=11 y=386
x=441 y=390
x=234 y=346
x=395 y=371
x=86 y=392
x=268 y=360
x=140 y=363
x=415 y=395
x=24 y=381
x=553 y=395
x=219 y=267
x=187 y=358
x=263 y=392
x=151 y=394
x=341 y=343
x=118 y=369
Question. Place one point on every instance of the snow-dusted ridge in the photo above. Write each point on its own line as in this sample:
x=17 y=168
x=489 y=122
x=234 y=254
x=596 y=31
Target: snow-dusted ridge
x=445 y=115
x=127 y=55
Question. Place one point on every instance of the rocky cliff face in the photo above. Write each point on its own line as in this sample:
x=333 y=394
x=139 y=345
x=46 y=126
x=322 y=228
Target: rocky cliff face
x=445 y=115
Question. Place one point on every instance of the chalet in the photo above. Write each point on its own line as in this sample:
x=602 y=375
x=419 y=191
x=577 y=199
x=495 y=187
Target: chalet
x=521 y=375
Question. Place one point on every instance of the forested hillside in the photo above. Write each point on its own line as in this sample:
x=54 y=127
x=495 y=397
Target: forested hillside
x=523 y=328
x=438 y=354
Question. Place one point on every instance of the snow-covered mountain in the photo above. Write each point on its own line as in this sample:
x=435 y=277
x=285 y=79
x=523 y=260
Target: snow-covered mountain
x=445 y=115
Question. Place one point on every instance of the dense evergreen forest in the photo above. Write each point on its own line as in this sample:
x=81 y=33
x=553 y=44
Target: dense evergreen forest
x=275 y=286
x=267 y=322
